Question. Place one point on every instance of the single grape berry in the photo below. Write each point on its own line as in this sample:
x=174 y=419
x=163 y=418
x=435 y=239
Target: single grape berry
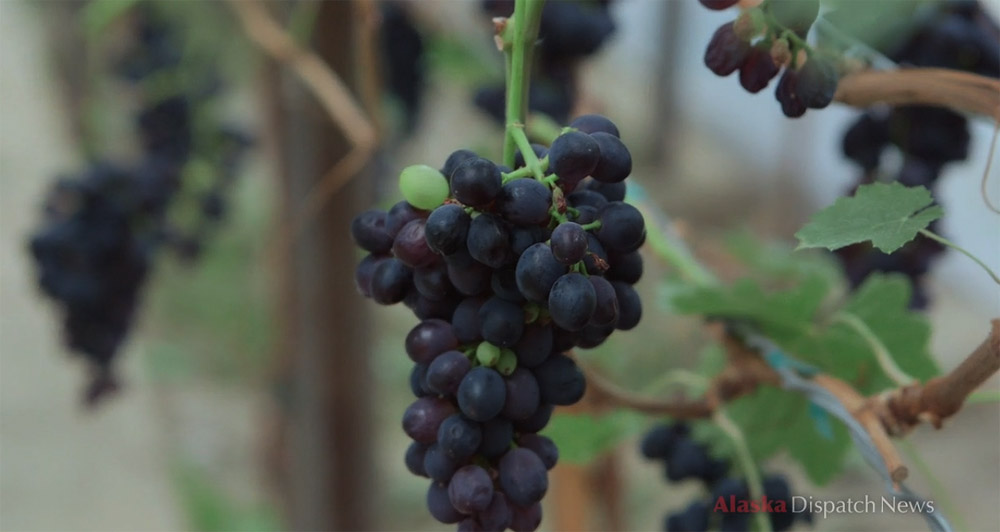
x=410 y=245
x=501 y=322
x=591 y=124
x=415 y=458
x=459 y=437
x=390 y=281
x=572 y=301
x=424 y=416
x=560 y=380
x=573 y=156
x=539 y=151
x=605 y=302
x=399 y=215
x=758 y=69
x=536 y=272
x=523 y=477
x=368 y=232
x=544 y=447
x=787 y=94
x=489 y=241
x=629 y=306
x=622 y=227
x=447 y=228
x=718 y=5
x=615 y=163
x=525 y=202
x=523 y=396
x=476 y=182
x=446 y=371
x=428 y=339
x=726 y=52
x=817 y=82
x=569 y=243
x=455 y=160
x=423 y=186
x=440 y=505
x=481 y=394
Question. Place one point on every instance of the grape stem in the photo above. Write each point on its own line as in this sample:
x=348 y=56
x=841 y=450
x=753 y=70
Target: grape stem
x=596 y=224
x=754 y=483
x=519 y=41
x=530 y=159
x=940 y=239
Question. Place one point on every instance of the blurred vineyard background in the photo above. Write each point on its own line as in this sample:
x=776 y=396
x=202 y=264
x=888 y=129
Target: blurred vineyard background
x=200 y=437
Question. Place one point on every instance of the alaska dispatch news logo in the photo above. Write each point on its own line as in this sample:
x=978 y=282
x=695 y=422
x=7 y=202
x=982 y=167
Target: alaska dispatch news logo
x=823 y=507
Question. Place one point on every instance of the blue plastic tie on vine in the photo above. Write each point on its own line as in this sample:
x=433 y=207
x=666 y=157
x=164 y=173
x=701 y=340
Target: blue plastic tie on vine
x=821 y=421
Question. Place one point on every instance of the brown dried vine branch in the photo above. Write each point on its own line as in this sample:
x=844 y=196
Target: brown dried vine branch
x=961 y=91
x=331 y=92
x=889 y=414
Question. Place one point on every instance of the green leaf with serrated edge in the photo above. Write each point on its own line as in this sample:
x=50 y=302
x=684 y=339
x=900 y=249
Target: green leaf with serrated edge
x=583 y=437
x=98 y=14
x=887 y=215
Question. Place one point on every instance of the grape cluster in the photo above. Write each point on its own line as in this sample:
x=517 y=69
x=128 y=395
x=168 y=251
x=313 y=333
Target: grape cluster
x=507 y=273
x=956 y=35
x=570 y=31
x=685 y=459
x=102 y=226
x=764 y=40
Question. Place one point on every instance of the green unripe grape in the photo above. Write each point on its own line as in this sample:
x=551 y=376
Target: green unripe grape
x=487 y=354
x=423 y=187
x=507 y=363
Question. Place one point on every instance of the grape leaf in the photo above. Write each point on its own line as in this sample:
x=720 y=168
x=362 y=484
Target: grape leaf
x=583 y=437
x=888 y=215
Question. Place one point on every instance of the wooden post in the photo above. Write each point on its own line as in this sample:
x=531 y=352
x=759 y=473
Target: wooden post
x=326 y=434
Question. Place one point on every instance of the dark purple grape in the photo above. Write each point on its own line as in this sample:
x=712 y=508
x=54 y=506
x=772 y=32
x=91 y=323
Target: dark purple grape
x=537 y=421
x=427 y=309
x=573 y=156
x=594 y=335
x=865 y=140
x=537 y=270
x=534 y=346
x=438 y=465
x=447 y=229
x=391 y=279
x=787 y=94
x=817 y=82
x=415 y=458
x=428 y=339
x=481 y=394
x=521 y=238
x=469 y=525
x=418 y=376
x=423 y=417
x=470 y=489
x=758 y=69
x=432 y=282
x=625 y=267
x=687 y=459
x=399 y=215
x=368 y=232
x=629 y=306
x=584 y=197
x=440 y=505
x=596 y=260
x=523 y=477
x=560 y=380
x=364 y=272
x=504 y=285
x=719 y=5
x=445 y=372
x=469 y=276
x=497 y=435
x=525 y=202
x=496 y=516
x=526 y=519
x=591 y=124
x=465 y=322
x=694 y=517
x=411 y=247
x=585 y=215
x=610 y=191
x=542 y=446
x=523 y=396
x=476 y=182
x=726 y=52
x=501 y=322
x=489 y=241
x=459 y=437
x=572 y=301
x=622 y=227
x=615 y=163
x=605 y=302
x=455 y=160
x=659 y=442
x=569 y=243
